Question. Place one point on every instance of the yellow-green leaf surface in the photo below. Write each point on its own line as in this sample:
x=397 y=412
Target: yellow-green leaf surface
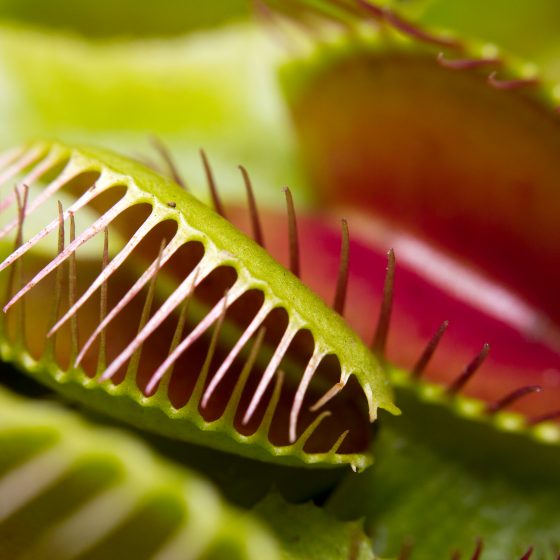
x=70 y=490
x=102 y=18
x=446 y=473
x=449 y=473
x=212 y=89
x=307 y=531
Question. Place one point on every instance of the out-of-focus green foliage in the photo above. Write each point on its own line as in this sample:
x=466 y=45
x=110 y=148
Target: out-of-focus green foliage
x=106 y=18
x=445 y=480
x=529 y=29
x=306 y=531
x=213 y=90
x=202 y=74
x=70 y=490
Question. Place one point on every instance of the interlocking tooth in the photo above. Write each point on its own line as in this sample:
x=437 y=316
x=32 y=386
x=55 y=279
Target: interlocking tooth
x=21 y=211
x=262 y=314
x=270 y=371
x=165 y=155
x=310 y=370
x=177 y=335
x=386 y=15
x=135 y=358
x=293 y=237
x=8 y=157
x=72 y=291
x=343 y=269
x=253 y=209
x=428 y=351
x=115 y=263
x=34 y=175
x=478 y=550
x=382 y=330
x=264 y=427
x=57 y=299
x=67 y=175
x=233 y=403
x=235 y=292
x=215 y=195
x=16 y=272
x=102 y=357
x=99 y=225
x=504 y=84
x=466 y=63
x=188 y=285
x=470 y=369
x=26 y=159
x=193 y=536
x=330 y=394
x=89 y=525
x=187 y=544
x=168 y=252
x=547 y=417
x=334 y=449
x=310 y=430
x=512 y=397
x=24 y=483
x=87 y=197
x=203 y=375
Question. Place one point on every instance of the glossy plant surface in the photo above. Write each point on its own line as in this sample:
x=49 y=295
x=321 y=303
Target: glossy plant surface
x=401 y=131
x=213 y=279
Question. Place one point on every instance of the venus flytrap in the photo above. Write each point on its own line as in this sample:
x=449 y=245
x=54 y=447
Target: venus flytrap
x=249 y=348
x=517 y=37
x=438 y=150
x=486 y=475
x=485 y=469
x=486 y=113
x=418 y=341
x=390 y=167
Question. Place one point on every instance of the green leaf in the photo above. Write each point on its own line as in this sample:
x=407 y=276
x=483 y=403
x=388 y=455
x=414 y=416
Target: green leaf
x=70 y=490
x=445 y=478
x=214 y=90
x=190 y=341
x=102 y=18
x=306 y=532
